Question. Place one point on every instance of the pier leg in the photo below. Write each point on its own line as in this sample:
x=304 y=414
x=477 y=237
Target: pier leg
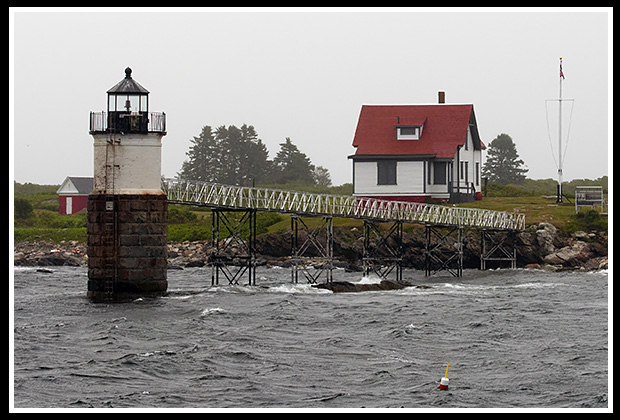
x=444 y=250
x=498 y=245
x=232 y=250
x=383 y=249
x=317 y=247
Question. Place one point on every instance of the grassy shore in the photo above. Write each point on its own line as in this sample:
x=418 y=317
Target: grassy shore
x=193 y=223
x=537 y=209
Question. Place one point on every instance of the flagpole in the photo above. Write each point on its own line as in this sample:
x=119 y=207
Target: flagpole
x=559 y=198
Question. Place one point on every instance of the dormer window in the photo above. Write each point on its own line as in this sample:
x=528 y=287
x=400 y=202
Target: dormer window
x=408 y=132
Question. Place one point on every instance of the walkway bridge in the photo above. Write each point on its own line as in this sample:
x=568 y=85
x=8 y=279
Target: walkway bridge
x=437 y=218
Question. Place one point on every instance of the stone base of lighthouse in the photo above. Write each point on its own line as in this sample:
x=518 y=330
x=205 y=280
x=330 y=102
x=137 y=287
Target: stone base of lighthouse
x=127 y=246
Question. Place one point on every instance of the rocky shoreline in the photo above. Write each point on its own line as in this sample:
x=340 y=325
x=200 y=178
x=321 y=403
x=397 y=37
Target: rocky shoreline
x=540 y=247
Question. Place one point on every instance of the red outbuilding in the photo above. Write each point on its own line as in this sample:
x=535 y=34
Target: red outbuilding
x=73 y=194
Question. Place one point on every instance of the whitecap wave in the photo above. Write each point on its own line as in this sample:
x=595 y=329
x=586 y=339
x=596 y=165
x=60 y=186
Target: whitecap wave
x=24 y=268
x=297 y=288
x=212 y=311
x=371 y=279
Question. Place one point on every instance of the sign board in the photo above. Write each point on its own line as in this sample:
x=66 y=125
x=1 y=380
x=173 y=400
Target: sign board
x=589 y=197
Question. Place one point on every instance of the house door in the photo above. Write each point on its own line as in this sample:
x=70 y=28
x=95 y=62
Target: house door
x=69 y=205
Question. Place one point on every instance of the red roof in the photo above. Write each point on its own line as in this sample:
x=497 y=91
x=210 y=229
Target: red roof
x=444 y=128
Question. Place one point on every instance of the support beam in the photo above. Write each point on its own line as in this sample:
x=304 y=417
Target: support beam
x=383 y=249
x=498 y=245
x=233 y=250
x=444 y=250
x=313 y=255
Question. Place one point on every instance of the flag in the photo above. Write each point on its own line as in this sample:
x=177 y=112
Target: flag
x=561 y=72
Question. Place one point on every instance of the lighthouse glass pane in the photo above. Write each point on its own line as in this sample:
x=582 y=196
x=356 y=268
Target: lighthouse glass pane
x=134 y=101
x=144 y=103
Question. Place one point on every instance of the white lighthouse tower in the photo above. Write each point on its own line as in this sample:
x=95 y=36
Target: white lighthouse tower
x=127 y=210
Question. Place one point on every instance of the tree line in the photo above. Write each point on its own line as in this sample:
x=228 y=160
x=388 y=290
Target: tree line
x=236 y=156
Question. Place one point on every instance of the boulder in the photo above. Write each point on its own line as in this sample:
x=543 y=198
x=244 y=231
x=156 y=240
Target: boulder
x=546 y=234
x=58 y=259
x=571 y=255
x=195 y=263
x=345 y=286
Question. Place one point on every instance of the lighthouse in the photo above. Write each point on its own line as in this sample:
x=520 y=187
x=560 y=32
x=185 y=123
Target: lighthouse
x=127 y=210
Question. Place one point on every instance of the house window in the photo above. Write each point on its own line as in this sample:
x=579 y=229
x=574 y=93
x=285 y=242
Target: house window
x=386 y=172
x=439 y=174
x=408 y=132
x=477 y=174
x=465 y=171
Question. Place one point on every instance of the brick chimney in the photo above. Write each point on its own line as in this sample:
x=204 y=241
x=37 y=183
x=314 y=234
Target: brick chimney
x=442 y=97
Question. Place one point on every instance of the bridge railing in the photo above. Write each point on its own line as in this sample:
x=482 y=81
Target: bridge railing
x=266 y=199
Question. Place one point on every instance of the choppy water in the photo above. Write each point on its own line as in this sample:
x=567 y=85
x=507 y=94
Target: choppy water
x=513 y=338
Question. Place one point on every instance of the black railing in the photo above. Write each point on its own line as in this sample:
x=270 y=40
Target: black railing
x=127 y=122
x=461 y=193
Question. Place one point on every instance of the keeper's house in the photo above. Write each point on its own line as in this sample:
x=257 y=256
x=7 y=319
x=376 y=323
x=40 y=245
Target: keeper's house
x=418 y=153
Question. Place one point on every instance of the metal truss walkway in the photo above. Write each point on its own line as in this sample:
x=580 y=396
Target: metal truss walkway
x=383 y=248
x=312 y=204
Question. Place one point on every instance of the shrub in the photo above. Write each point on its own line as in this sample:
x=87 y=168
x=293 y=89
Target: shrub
x=23 y=209
x=180 y=214
x=498 y=190
x=587 y=220
x=189 y=232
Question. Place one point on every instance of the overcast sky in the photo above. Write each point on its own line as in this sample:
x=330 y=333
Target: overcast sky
x=305 y=74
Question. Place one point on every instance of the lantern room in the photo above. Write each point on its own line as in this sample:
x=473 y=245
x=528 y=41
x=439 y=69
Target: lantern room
x=128 y=110
x=128 y=96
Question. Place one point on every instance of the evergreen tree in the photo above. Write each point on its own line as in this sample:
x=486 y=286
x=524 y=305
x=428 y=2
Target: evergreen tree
x=230 y=155
x=290 y=164
x=236 y=156
x=321 y=176
x=233 y=160
x=503 y=165
x=203 y=160
x=257 y=165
